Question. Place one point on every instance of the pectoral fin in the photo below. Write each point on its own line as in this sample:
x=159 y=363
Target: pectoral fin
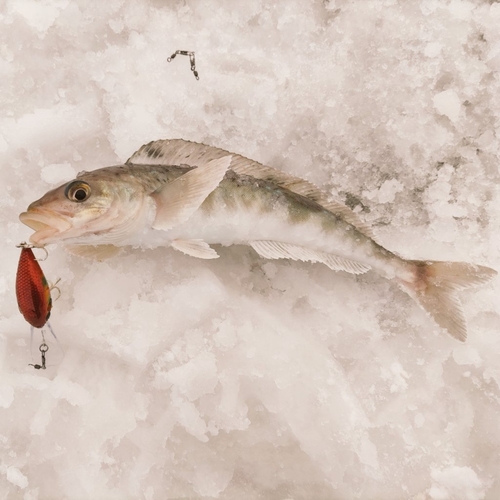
x=279 y=250
x=179 y=199
x=99 y=252
x=195 y=248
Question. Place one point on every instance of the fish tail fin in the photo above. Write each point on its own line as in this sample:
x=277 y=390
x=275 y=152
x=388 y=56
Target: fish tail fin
x=434 y=287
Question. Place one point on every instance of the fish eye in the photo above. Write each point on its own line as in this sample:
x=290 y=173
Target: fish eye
x=77 y=191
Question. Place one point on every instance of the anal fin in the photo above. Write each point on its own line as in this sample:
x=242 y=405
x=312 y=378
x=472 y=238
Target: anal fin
x=195 y=248
x=279 y=250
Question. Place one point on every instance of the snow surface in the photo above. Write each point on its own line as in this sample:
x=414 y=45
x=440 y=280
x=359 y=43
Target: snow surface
x=242 y=378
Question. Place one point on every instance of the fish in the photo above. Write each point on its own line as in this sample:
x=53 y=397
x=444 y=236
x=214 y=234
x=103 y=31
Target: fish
x=32 y=289
x=189 y=196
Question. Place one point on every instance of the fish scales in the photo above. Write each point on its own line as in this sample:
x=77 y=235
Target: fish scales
x=243 y=205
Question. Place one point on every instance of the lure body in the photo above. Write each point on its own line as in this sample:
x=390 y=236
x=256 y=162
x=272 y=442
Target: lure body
x=32 y=290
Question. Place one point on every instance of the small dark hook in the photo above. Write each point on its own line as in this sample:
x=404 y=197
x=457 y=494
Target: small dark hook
x=191 y=60
x=43 y=349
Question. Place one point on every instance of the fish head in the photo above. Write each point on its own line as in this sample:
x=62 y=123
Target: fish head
x=95 y=208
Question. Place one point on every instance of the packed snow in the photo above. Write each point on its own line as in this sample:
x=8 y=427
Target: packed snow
x=241 y=378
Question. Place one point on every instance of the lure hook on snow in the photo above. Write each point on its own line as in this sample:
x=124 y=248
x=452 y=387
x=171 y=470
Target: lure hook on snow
x=33 y=294
x=191 y=60
x=43 y=349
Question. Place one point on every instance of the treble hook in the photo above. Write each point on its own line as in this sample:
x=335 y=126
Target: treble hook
x=27 y=245
x=55 y=287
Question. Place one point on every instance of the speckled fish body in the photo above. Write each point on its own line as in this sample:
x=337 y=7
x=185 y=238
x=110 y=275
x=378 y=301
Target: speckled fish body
x=243 y=210
x=189 y=196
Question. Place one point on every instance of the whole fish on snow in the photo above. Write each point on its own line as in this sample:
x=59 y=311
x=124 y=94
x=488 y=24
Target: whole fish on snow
x=188 y=196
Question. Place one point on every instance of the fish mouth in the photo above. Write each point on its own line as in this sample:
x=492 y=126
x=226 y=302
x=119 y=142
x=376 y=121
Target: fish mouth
x=47 y=225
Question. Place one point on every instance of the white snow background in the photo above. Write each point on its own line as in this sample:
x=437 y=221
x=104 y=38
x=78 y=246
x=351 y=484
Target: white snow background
x=241 y=378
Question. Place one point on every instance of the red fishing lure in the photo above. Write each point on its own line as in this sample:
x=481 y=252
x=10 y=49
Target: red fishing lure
x=33 y=297
x=32 y=289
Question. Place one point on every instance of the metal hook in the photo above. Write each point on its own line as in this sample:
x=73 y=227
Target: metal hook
x=191 y=60
x=55 y=287
x=28 y=245
x=46 y=254
x=43 y=349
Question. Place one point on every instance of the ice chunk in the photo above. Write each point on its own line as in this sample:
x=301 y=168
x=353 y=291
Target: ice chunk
x=196 y=377
x=461 y=10
x=3 y=144
x=190 y=418
x=456 y=483
x=16 y=477
x=433 y=49
x=40 y=126
x=396 y=376
x=466 y=355
x=57 y=173
x=6 y=395
x=40 y=15
x=388 y=190
x=116 y=25
x=419 y=420
x=448 y=103
x=210 y=479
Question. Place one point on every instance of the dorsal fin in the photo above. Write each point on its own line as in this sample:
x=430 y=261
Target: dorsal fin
x=194 y=154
